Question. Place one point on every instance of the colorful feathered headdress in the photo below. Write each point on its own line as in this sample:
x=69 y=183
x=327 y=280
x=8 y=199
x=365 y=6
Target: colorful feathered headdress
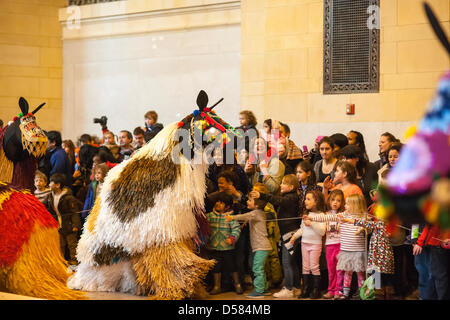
x=203 y=123
x=418 y=187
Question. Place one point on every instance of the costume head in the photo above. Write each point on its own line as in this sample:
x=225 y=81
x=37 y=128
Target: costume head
x=204 y=127
x=24 y=138
x=417 y=187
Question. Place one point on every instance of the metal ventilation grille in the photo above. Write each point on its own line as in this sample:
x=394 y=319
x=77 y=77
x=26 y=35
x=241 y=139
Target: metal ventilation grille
x=351 y=49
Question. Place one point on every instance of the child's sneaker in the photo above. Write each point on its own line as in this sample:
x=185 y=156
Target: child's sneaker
x=337 y=296
x=284 y=293
x=255 y=295
x=328 y=295
x=344 y=297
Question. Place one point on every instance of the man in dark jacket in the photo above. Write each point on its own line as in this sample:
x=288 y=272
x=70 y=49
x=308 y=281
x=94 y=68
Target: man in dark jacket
x=65 y=209
x=59 y=161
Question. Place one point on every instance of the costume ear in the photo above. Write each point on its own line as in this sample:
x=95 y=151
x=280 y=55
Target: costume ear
x=23 y=104
x=437 y=27
x=202 y=100
x=37 y=109
x=216 y=103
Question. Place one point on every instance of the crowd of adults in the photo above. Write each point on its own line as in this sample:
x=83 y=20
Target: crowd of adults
x=260 y=164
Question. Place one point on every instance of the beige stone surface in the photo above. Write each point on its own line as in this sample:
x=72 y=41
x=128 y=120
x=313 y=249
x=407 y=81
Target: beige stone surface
x=31 y=58
x=281 y=53
x=411 y=11
x=421 y=56
x=411 y=63
x=138 y=16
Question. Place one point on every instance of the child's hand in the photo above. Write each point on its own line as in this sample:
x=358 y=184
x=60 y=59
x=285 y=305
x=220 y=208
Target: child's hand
x=228 y=241
x=328 y=183
x=75 y=229
x=346 y=220
x=228 y=217
x=292 y=241
x=254 y=194
x=417 y=249
x=306 y=217
x=307 y=222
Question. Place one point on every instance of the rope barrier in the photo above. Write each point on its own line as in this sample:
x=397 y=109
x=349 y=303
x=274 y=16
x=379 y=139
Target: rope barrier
x=397 y=225
x=292 y=218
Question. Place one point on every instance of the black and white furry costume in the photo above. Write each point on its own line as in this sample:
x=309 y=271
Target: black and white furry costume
x=138 y=237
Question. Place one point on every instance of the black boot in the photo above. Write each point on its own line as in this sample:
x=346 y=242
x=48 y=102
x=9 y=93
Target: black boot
x=306 y=291
x=237 y=283
x=217 y=284
x=316 y=289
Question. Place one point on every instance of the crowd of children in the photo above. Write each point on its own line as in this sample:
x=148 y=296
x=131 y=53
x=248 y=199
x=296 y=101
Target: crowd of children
x=282 y=221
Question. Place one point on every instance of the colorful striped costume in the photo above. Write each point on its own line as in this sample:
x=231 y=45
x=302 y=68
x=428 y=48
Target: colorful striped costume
x=31 y=262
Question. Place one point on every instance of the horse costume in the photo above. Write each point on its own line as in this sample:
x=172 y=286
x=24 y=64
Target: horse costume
x=140 y=235
x=23 y=142
x=31 y=262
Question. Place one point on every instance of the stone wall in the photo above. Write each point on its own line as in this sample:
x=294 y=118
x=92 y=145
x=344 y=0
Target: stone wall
x=31 y=59
x=282 y=69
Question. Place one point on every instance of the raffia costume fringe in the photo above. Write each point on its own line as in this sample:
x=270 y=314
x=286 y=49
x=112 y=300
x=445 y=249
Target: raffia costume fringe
x=6 y=167
x=144 y=246
x=40 y=271
x=31 y=262
x=170 y=272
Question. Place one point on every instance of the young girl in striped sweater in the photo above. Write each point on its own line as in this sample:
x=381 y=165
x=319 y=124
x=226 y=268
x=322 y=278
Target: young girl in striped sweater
x=352 y=255
x=311 y=233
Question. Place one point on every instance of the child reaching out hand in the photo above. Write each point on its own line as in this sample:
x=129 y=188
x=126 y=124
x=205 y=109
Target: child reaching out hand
x=288 y=222
x=259 y=241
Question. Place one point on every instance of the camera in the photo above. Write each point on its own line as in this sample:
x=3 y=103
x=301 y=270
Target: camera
x=101 y=120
